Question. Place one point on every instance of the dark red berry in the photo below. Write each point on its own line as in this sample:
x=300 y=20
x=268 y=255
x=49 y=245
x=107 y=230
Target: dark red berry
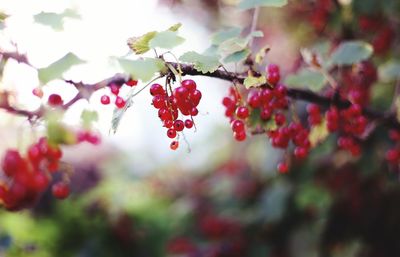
x=188 y=123
x=105 y=99
x=60 y=190
x=120 y=102
x=55 y=100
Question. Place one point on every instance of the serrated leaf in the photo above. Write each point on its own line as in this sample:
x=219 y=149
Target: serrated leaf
x=55 y=20
x=251 y=81
x=143 y=69
x=313 y=80
x=223 y=35
x=351 y=52
x=237 y=56
x=248 y=4
x=88 y=117
x=202 y=63
x=211 y=51
x=58 y=68
x=140 y=45
x=261 y=54
x=118 y=113
x=166 y=39
x=389 y=71
x=175 y=27
x=233 y=45
x=318 y=133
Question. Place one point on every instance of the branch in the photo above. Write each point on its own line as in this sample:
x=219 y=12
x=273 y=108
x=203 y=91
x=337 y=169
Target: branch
x=85 y=90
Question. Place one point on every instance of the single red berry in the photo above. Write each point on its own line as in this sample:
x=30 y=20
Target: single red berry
x=157 y=89
x=168 y=123
x=242 y=112
x=60 y=190
x=179 y=125
x=55 y=100
x=158 y=101
x=240 y=135
x=11 y=162
x=227 y=101
x=37 y=92
x=273 y=77
x=131 y=83
x=237 y=126
x=114 y=88
x=195 y=97
x=272 y=68
x=120 y=102
x=105 y=99
x=171 y=133
x=392 y=156
x=194 y=111
x=283 y=167
x=300 y=152
x=40 y=181
x=174 y=145
x=280 y=119
x=188 y=123
x=189 y=85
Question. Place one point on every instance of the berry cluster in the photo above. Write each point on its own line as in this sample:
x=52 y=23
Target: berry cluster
x=182 y=100
x=115 y=89
x=351 y=123
x=27 y=177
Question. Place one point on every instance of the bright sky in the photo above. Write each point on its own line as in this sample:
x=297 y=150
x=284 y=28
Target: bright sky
x=101 y=32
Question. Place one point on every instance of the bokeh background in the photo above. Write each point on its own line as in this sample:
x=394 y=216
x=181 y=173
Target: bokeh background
x=133 y=196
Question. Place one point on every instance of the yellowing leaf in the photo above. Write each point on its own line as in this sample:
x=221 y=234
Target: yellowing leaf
x=318 y=133
x=140 y=45
x=252 y=81
x=261 y=54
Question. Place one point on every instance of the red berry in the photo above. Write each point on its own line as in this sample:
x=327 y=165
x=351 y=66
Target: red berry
x=114 y=88
x=55 y=100
x=280 y=119
x=227 y=101
x=240 y=135
x=11 y=162
x=179 y=125
x=242 y=112
x=272 y=68
x=194 y=111
x=237 y=126
x=40 y=181
x=189 y=85
x=283 y=167
x=273 y=77
x=188 y=123
x=131 y=83
x=174 y=145
x=195 y=96
x=120 y=102
x=156 y=89
x=105 y=99
x=171 y=133
x=60 y=190
x=158 y=101
x=300 y=152
x=37 y=92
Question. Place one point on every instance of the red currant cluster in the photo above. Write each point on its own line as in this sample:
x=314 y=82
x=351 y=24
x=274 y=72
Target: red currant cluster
x=351 y=123
x=26 y=178
x=393 y=154
x=183 y=99
x=114 y=89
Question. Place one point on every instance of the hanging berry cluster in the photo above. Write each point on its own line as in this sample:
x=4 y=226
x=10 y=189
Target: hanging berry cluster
x=171 y=103
x=27 y=177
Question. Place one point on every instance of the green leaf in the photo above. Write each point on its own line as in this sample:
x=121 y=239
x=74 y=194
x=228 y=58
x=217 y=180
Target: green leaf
x=88 y=117
x=389 y=71
x=313 y=196
x=237 y=56
x=251 y=81
x=118 y=113
x=233 y=45
x=318 y=133
x=166 y=39
x=223 y=35
x=351 y=52
x=58 y=68
x=202 y=63
x=143 y=69
x=140 y=45
x=261 y=54
x=175 y=27
x=55 y=20
x=306 y=78
x=249 y=4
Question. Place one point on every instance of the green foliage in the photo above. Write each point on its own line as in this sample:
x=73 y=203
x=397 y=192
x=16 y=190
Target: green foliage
x=389 y=71
x=57 y=132
x=202 y=63
x=58 y=68
x=55 y=20
x=237 y=56
x=167 y=39
x=223 y=35
x=311 y=196
x=143 y=69
x=248 y=4
x=351 y=52
x=308 y=78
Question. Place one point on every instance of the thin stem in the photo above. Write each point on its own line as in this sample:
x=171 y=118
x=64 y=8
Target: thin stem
x=254 y=22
